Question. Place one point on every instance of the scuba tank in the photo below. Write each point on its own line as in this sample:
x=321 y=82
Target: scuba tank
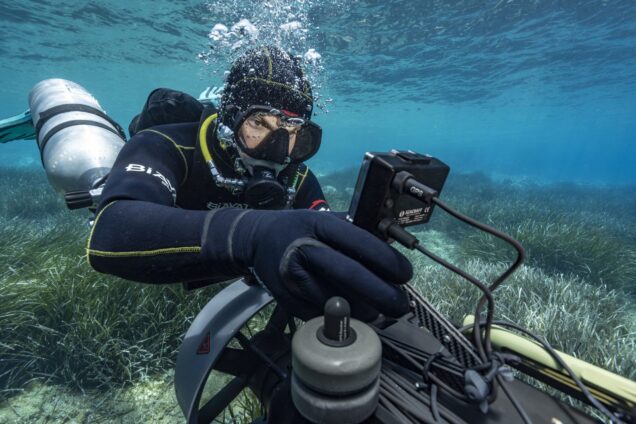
x=78 y=142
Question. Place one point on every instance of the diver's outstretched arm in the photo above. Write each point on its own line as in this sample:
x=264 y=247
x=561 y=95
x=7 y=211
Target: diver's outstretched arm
x=138 y=233
x=303 y=257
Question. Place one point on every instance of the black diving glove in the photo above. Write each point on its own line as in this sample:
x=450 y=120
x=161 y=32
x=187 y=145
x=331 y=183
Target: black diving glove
x=305 y=257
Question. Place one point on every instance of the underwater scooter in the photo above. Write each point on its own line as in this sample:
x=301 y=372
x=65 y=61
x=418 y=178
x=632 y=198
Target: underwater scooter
x=417 y=368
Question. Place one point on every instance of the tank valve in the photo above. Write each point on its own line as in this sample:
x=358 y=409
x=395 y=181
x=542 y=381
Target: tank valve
x=336 y=363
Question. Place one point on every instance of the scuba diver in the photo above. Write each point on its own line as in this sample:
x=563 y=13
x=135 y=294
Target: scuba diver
x=186 y=202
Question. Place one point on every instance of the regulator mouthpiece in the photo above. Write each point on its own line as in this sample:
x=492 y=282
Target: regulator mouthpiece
x=263 y=191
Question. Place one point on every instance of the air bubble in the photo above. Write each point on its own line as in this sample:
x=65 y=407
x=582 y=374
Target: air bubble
x=276 y=22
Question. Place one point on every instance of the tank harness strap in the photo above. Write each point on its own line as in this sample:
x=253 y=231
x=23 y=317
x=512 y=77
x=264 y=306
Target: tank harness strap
x=56 y=110
x=76 y=107
x=67 y=124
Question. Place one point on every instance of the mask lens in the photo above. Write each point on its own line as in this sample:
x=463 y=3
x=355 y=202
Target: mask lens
x=308 y=140
x=274 y=148
x=258 y=127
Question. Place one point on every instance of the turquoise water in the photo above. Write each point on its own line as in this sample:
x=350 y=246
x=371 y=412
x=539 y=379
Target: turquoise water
x=543 y=90
x=530 y=102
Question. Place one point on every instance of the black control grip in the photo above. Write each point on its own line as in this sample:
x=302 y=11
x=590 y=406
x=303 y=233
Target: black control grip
x=78 y=200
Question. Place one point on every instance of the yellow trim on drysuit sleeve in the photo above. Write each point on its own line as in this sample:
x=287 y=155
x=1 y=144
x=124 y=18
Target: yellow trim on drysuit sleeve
x=90 y=235
x=177 y=146
x=133 y=253
x=154 y=252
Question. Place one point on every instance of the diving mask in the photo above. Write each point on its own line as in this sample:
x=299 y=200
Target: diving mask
x=277 y=136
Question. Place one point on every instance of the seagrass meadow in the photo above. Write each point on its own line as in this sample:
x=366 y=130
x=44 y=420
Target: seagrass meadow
x=530 y=103
x=78 y=346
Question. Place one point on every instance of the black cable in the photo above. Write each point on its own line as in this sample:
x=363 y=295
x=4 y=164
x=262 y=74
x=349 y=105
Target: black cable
x=395 y=373
x=434 y=408
x=397 y=232
x=393 y=410
x=522 y=413
x=546 y=345
x=481 y=286
x=395 y=378
x=405 y=182
x=405 y=355
x=402 y=236
x=404 y=406
x=493 y=231
x=520 y=258
x=398 y=411
x=426 y=372
x=411 y=412
x=417 y=400
x=410 y=242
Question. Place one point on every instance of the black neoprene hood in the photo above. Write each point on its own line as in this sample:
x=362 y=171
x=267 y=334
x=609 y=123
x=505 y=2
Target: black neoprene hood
x=266 y=76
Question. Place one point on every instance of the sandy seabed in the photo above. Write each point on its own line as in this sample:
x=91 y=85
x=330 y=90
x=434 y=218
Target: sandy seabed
x=150 y=401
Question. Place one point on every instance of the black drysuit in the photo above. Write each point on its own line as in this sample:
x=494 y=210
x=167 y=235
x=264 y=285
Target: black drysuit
x=151 y=217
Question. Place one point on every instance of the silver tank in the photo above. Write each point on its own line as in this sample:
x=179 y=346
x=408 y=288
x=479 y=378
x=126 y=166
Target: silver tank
x=77 y=157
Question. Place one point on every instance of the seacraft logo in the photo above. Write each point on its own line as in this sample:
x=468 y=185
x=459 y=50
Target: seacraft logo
x=135 y=167
x=410 y=212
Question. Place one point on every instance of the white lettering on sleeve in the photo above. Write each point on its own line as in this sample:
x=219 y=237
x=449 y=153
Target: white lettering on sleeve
x=135 y=167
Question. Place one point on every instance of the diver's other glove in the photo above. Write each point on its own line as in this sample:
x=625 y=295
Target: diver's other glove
x=211 y=95
x=305 y=257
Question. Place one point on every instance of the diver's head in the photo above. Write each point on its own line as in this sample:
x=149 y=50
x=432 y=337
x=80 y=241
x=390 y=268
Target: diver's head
x=266 y=76
x=266 y=109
